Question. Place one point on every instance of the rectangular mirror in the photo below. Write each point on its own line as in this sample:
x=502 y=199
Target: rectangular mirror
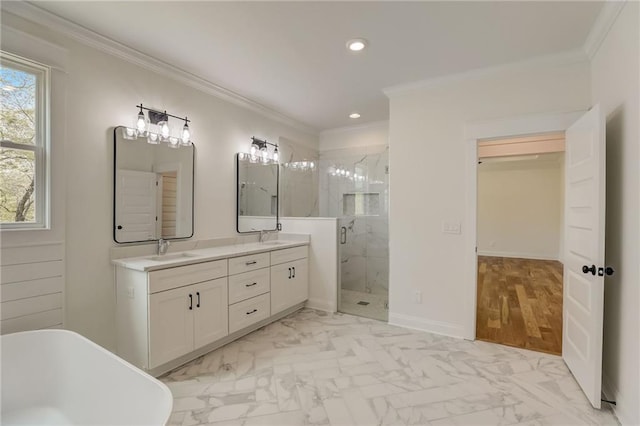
x=257 y=194
x=153 y=190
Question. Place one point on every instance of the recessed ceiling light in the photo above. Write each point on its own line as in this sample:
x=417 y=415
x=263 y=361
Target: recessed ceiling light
x=354 y=115
x=356 y=44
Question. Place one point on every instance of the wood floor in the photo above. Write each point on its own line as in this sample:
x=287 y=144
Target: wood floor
x=520 y=303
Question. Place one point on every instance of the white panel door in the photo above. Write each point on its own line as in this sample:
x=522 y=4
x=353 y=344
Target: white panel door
x=211 y=312
x=170 y=324
x=583 y=299
x=135 y=206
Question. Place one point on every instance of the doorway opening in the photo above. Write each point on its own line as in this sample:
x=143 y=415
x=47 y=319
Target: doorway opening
x=520 y=241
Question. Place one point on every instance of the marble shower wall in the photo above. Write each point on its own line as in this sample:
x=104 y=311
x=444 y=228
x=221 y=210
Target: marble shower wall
x=298 y=180
x=361 y=201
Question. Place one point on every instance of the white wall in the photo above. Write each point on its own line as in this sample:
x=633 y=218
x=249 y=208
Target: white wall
x=615 y=74
x=323 y=258
x=370 y=134
x=101 y=92
x=33 y=271
x=428 y=180
x=520 y=208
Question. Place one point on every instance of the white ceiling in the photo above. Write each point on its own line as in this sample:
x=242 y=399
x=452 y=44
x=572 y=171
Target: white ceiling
x=291 y=56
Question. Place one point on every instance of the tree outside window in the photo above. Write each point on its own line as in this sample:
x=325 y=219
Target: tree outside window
x=22 y=142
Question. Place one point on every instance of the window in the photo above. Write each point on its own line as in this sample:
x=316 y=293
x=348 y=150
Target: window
x=23 y=143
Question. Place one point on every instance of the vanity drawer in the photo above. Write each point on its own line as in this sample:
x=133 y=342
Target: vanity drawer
x=180 y=276
x=238 y=265
x=248 y=312
x=287 y=255
x=249 y=284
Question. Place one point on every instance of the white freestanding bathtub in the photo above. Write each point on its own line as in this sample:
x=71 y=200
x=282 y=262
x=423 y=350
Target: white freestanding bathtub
x=58 y=377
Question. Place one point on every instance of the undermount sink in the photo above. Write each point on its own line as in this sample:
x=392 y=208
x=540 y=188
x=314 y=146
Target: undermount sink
x=167 y=257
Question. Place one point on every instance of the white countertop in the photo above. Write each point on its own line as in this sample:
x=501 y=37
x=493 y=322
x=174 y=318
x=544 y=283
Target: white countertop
x=189 y=257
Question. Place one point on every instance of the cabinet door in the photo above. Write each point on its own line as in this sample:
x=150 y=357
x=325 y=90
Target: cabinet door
x=289 y=285
x=170 y=325
x=300 y=288
x=210 y=309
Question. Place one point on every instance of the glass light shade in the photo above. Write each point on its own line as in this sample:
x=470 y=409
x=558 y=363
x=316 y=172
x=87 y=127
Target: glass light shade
x=254 y=150
x=174 y=142
x=265 y=155
x=153 y=138
x=185 y=135
x=312 y=164
x=276 y=155
x=142 y=124
x=129 y=133
x=165 y=131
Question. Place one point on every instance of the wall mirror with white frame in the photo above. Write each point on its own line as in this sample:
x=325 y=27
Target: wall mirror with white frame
x=256 y=194
x=153 y=189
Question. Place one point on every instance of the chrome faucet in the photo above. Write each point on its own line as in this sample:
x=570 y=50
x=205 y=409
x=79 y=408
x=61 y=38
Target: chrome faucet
x=163 y=246
x=264 y=235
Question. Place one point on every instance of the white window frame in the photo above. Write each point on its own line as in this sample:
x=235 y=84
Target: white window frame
x=42 y=145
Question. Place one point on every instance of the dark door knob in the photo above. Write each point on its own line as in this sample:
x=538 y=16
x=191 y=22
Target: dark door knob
x=605 y=271
x=119 y=226
x=586 y=269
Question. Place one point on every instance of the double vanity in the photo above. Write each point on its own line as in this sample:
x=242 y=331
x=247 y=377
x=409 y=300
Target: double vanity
x=175 y=307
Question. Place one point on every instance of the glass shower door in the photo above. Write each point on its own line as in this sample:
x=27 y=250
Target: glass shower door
x=356 y=191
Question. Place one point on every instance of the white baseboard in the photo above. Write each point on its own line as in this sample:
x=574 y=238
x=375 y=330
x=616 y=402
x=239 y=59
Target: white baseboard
x=535 y=256
x=422 y=324
x=610 y=392
x=322 y=305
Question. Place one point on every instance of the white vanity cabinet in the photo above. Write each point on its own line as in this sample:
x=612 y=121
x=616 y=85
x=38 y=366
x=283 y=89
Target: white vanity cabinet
x=186 y=318
x=170 y=313
x=289 y=278
x=248 y=290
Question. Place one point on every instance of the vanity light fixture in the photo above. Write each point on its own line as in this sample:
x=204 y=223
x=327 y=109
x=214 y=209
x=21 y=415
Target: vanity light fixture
x=339 y=172
x=357 y=44
x=301 y=165
x=160 y=121
x=260 y=150
x=142 y=124
x=185 y=136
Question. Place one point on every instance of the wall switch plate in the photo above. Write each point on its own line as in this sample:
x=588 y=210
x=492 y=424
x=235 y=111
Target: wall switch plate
x=451 y=227
x=131 y=292
x=418 y=297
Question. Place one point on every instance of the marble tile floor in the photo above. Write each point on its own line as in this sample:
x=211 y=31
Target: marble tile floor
x=315 y=368
x=376 y=309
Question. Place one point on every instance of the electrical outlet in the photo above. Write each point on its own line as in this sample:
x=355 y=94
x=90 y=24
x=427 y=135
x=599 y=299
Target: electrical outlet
x=417 y=297
x=131 y=292
x=451 y=227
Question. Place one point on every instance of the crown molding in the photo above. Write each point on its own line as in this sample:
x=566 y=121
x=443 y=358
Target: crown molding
x=564 y=58
x=605 y=20
x=92 y=39
x=354 y=127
